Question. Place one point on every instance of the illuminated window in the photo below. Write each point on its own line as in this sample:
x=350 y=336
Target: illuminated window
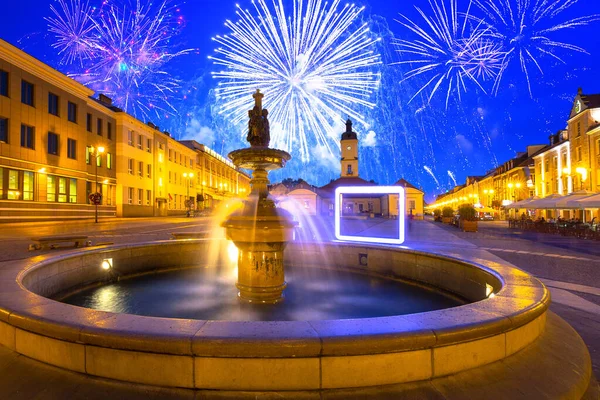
x=108 y=160
x=62 y=190
x=50 y=188
x=129 y=195
x=140 y=196
x=148 y=197
x=13 y=184
x=131 y=166
x=72 y=190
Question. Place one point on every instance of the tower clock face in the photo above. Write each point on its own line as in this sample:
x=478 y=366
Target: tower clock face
x=578 y=106
x=349 y=148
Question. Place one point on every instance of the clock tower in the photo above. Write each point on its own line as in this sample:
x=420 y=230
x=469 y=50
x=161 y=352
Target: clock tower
x=349 y=145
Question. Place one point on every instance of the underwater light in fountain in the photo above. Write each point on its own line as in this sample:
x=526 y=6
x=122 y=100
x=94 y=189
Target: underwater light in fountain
x=397 y=190
x=259 y=230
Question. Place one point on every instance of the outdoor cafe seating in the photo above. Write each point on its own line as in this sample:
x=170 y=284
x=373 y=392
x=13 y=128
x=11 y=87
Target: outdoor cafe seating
x=581 y=200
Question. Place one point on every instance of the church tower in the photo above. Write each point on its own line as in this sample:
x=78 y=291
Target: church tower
x=349 y=145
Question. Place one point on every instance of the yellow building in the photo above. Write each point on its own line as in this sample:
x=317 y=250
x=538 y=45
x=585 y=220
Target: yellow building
x=510 y=182
x=584 y=137
x=217 y=178
x=49 y=125
x=553 y=166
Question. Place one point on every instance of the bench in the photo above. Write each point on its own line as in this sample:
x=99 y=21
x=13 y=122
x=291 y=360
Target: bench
x=190 y=235
x=51 y=242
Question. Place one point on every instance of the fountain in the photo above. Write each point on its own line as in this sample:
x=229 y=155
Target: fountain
x=259 y=230
x=496 y=333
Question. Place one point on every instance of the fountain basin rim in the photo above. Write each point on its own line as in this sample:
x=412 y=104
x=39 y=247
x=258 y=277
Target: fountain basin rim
x=519 y=300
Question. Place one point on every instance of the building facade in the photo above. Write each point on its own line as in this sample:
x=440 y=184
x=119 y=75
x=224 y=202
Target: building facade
x=58 y=145
x=50 y=134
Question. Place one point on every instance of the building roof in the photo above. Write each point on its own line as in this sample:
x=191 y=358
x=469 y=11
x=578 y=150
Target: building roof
x=590 y=100
x=349 y=134
x=329 y=189
x=404 y=183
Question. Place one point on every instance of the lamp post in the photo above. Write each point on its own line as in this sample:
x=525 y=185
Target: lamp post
x=188 y=177
x=96 y=152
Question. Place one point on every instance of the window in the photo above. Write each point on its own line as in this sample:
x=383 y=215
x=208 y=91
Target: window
x=131 y=166
x=52 y=143
x=139 y=141
x=349 y=170
x=130 y=138
x=27 y=136
x=140 y=169
x=72 y=112
x=4 y=130
x=88 y=155
x=72 y=149
x=149 y=171
x=130 y=196
x=108 y=160
x=27 y=93
x=578 y=129
x=109 y=130
x=98 y=160
x=3 y=83
x=99 y=127
x=72 y=190
x=149 y=145
x=579 y=158
x=169 y=176
x=13 y=184
x=52 y=104
x=62 y=190
x=140 y=196
x=88 y=191
x=88 y=122
x=555 y=162
x=148 y=197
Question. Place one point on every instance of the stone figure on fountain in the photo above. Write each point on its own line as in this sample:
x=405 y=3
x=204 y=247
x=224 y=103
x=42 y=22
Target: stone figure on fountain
x=258 y=123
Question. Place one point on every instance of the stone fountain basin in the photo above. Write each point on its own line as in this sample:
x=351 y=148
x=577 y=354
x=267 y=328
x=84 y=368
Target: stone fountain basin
x=260 y=355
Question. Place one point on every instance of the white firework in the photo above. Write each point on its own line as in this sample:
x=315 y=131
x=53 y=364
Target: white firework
x=524 y=27
x=316 y=66
x=451 y=49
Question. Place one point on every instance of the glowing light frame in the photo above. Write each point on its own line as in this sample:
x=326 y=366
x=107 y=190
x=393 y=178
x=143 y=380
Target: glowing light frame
x=366 y=190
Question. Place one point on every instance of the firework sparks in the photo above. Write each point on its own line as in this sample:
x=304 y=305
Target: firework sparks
x=316 y=67
x=121 y=50
x=430 y=172
x=451 y=175
x=524 y=28
x=451 y=49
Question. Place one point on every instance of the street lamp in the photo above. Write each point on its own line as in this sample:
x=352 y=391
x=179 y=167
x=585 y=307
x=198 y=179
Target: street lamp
x=583 y=172
x=96 y=152
x=188 y=177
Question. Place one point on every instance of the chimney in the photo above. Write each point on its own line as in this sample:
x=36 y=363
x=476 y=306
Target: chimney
x=104 y=99
x=151 y=125
x=579 y=91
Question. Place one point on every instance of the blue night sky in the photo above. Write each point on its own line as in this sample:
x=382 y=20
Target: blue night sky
x=468 y=137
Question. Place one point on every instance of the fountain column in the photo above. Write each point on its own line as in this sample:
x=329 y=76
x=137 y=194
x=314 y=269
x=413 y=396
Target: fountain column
x=259 y=230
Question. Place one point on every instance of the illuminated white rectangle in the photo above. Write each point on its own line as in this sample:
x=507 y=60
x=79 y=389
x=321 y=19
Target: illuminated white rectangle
x=366 y=190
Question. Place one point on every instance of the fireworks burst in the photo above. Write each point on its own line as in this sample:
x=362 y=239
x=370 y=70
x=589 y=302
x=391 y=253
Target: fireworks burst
x=122 y=50
x=430 y=172
x=316 y=67
x=451 y=175
x=523 y=27
x=451 y=49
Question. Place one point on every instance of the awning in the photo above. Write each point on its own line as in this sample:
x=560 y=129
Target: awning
x=484 y=209
x=589 y=202
x=523 y=203
x=571 y=201
x=547 y=203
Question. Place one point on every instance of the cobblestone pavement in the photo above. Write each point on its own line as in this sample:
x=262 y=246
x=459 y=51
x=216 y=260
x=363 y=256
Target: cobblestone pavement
x=568 y=266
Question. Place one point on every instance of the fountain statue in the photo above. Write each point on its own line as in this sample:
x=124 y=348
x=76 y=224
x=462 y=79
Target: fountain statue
x=259 y=230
